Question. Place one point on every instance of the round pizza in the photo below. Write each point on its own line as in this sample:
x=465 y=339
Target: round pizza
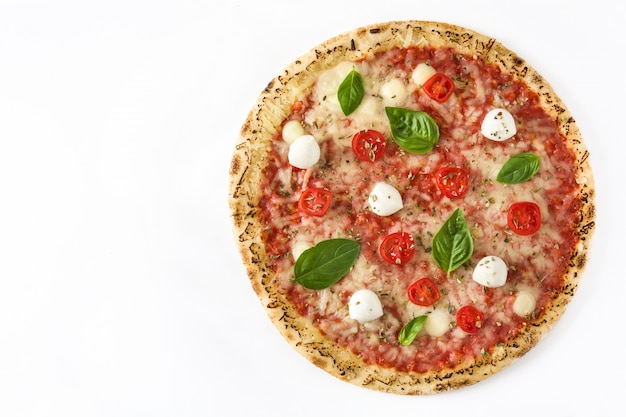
x=413 y=204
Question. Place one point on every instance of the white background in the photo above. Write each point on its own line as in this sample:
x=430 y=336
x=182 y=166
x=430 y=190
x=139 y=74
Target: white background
x=121 y=289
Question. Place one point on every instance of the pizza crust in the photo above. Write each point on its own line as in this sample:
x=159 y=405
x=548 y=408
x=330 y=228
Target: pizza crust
x=250 y=157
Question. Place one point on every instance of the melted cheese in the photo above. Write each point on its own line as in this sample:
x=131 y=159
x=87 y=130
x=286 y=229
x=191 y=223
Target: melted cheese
x=328 y=83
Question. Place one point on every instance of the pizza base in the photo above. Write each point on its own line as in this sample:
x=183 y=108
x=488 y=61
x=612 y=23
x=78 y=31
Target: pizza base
x=250 y=157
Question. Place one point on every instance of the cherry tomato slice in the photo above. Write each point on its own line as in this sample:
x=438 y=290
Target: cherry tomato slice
x=397 y=248
x=315 y=201
x=439 y=87
x=423 y=292
x=470 y=319
x=524 y=218
x=452 y=181
x=368 y=145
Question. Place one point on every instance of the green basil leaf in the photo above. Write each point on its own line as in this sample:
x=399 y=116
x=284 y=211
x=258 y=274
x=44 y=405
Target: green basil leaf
x=453 y=244
x=413 y=130
x=351 y=92
x=519 y=168
x=326 y=263
x=410 y=330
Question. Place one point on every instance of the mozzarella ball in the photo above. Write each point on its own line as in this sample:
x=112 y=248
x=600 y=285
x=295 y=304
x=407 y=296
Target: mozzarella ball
x=394 y=91
x=491 y=272
x=498 y=125
x=384 y=199
x=299 y=247
x=304 y=152
x=364 y=306
x=437 y=323
x=292 y=130
x=422 y=73
x=524 y=303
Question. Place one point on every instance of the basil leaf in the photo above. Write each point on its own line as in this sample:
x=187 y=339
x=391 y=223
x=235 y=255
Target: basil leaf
x=519 y=168
x=453 y=244
x=413 y=130
x=351 y=92
x=326 y=263
x=410 y=330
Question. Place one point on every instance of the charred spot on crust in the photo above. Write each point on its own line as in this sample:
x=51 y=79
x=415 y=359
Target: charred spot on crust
x=587 y=228
x=235 y=164
x=269 y=86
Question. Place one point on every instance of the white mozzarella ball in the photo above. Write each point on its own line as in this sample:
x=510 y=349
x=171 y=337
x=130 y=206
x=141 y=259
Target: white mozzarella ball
x=524 y=303
x=304 y=152
x=384 y=199
x=422 y=73
x=299 y=247
x=364 y=306
x=498 y=125
x=491 y=272
x=437 y=323
x=292 y=130
x=394 y=91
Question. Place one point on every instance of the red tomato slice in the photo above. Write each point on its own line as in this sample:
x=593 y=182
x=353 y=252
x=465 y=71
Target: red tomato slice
x=315 y=201
x=423 y=292
x=470 y=319
x=397 y=248
x=368 y=145
x=439 y=87
x=452 y=181
x=524 y=218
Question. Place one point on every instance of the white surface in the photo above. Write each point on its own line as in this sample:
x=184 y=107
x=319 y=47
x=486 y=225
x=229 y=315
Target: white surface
x=121 y=290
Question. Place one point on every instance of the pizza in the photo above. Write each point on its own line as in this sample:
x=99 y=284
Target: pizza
x=413 y=204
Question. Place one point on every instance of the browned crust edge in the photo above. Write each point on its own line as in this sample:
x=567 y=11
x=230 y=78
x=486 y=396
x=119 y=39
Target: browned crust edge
x=249 y=159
